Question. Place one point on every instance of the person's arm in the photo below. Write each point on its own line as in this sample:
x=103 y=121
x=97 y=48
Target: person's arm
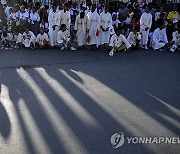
x=155 y=36
x=128 y=45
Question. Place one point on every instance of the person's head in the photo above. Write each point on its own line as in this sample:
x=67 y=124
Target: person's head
x=161 y=9
x=118 y=32
x=147 y=9
x=26 y=30
x=22 y=9
x=5 y=33
x=63 y=27
x=82 y=14
x=33 y=9
x=54 y=7
x=15 y=31
x=161 y=25
x=74 y=5
x=65 y=7
x=106 y=9
x=175 y=8
x=135 y=29
x=114 y=16
x=93 y=8
x=41 y=30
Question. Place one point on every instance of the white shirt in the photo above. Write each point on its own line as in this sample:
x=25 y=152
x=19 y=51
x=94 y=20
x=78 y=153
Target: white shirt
x=65 y=18
x=176 y=36
x=34 y=17
x=160 y=35
x=63 y=35
x=146 y=20
x=40 y=38
x=117 y=41
x=106 y=20
x=52 y=18
x=24 y=16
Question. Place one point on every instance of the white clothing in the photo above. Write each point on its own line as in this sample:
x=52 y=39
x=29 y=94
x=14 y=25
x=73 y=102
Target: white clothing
x=94 y=21
x=117 y=41
x=40 y=38
x=63 y=36
x=34 y=17
x=159 y=38
x=29 y=38
x=106 y=23
x=64 y=18
x=176 y=38
x=81 y=25
x=133 y=37
x=53 y=33
x=145 y=22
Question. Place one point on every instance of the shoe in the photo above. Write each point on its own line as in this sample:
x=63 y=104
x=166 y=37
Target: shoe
x=141 y=46
x=146 y=48
x=73 y=49
x=62 y=48
x=111 y=53
x=173 y=48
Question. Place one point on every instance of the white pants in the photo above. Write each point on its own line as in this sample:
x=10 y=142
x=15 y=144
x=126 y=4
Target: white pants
x=144 y=39
x=53 y=36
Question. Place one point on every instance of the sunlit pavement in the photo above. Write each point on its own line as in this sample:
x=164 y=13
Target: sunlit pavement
x=55 y=102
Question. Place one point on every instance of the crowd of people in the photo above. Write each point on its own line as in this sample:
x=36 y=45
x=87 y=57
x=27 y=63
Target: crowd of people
x=114 y=26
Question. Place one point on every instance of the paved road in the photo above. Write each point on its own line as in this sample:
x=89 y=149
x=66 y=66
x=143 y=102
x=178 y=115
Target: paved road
x=73 y=102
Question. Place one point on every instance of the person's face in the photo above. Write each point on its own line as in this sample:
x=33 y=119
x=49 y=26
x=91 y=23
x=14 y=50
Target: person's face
x=15 y=33
x=26 y=31
x=106 y=9
x=161 y=9
x=146 y=9
x=114 y=17
x=42 y=30
x=64 y=28
x=22 y=9
x=54 y=8
x=65 y=8
x=118 y=32
x=93 y=8
x=174 y=8
x=162 y=26
x=33 y=10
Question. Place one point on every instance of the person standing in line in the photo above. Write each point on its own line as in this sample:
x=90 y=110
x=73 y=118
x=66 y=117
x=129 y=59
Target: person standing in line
x=145 y=26
x=106 y=23
x=53 y=27
x=94 y=29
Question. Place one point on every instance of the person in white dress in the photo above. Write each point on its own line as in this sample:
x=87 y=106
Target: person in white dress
x=53 y=27
x=64 y=17
x=176 y=40
x=81 y=26
x=42 y=40
x=94 y=29
x=160 y=40
x=118 y=42
x=106 y=24
x=17 y=39
x=145 y=26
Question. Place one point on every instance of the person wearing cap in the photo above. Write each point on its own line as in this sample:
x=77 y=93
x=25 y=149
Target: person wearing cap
x=106 y=23
x=81 y=26
x=53 y=27
x=118 y=42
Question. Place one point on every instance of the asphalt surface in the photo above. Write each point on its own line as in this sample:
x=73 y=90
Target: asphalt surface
x=55 y=102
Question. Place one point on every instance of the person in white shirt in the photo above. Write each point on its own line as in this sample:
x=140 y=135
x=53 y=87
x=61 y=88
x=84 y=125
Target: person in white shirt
x=29 y=39
x=23 y=17
x=17 y=39
x=118 y=42
x=64 y=17
x=63 y=38
x=81 y=26
x=176 y=40
x=106 y=23
x=134 y=37
x=35 y=19
x=53 y=27
x=94 y=29
x=6 y=39
x=159 y=39
x=42 y=40
x=145 y=26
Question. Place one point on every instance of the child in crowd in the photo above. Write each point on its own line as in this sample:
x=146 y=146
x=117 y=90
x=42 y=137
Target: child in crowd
x=63 y=38
x=118 y=42
x=176 y=40
x=17 y=39
x=42 y=40
x=6 y=39
x=29 y=39
x=134 y=37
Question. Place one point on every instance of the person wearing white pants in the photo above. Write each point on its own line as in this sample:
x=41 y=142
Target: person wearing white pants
x=145 y=26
